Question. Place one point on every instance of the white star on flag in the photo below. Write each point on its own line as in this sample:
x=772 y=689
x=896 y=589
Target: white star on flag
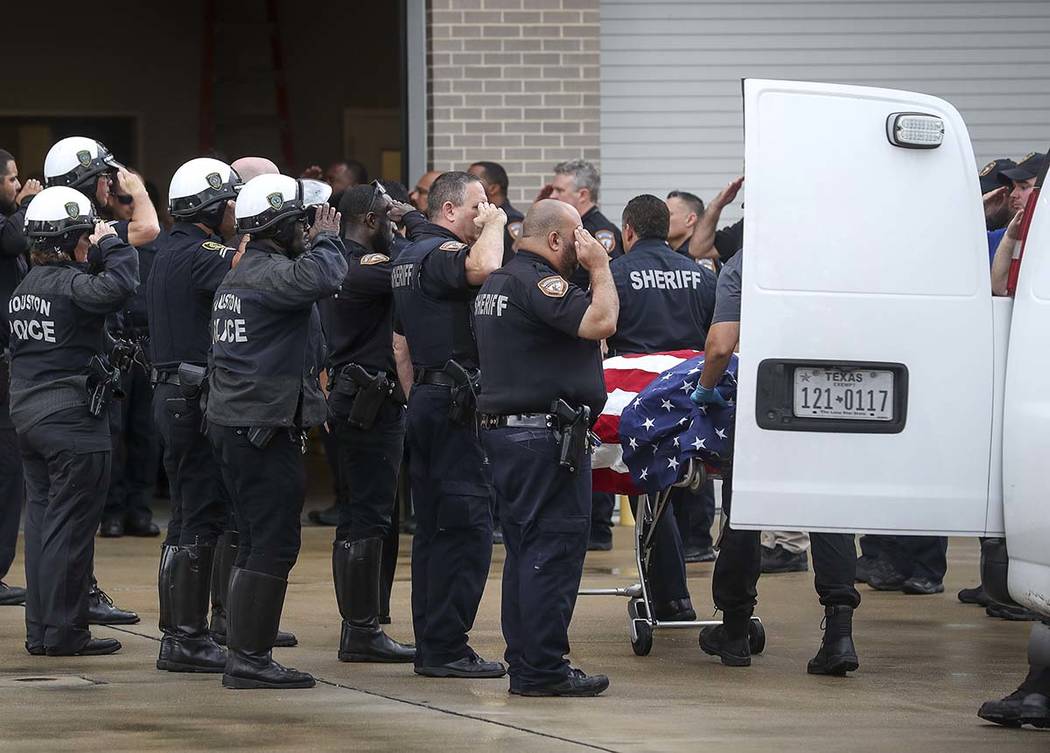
x=633 y=442
x=699 y=444
x=644 y=474
x=693 y=370
x=676 y=442
x=702 y=409
x=672 y=463
x=687 y=387
x=666 y=376
x=721 y=433
x=648 y=423
x=683 y=420
x=666 y=405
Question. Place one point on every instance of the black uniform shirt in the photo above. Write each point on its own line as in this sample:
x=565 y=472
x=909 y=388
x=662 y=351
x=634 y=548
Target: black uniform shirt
x=432 y=299
x=527 y=318
x=13 y=264
x=512 y=231
x=268 y=349
x=187 y=270
x=729 y=240
x=606 y=233
x=358 y=320
x=666 y=300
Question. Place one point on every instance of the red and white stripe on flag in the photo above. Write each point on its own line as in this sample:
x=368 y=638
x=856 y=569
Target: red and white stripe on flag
x=625 y=377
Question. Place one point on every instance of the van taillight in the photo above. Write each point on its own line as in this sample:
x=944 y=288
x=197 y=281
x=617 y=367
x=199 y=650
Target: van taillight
x=1015 y=263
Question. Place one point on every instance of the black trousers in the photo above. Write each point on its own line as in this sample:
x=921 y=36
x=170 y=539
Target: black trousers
x=66 y=463
x=602 y=504
x=198 y=500
x=666 y=559
x=368 y=462
x=694 y=512
x=911 y=556
x=452 y=547
x=546 y=518
x=734 y=584
x=12 y=485
x=136 y=451
x=267 y=486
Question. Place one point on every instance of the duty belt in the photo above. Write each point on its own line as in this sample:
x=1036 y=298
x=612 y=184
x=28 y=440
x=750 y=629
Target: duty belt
x=520 y=420
x=160 y=376
x=434 y=376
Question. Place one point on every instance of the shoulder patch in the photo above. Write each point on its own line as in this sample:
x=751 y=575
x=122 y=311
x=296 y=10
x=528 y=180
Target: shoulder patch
x=213 y=246
x=553 y=286
x=452 y=246
x=607 y=239
x=514 y=229
x=369 y=259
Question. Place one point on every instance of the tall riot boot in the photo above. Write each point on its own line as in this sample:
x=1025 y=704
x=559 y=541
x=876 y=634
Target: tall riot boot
x=222 y=570
x=390 y=549
x=356 y=568
x=253 y=612
x=187 y=646
x=164 y=587
x=837 y=654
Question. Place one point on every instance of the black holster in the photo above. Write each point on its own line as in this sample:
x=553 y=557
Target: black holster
x=574 y=433
x=369 y=392
x=463 y=395
x=103 y=384
x=193 y=385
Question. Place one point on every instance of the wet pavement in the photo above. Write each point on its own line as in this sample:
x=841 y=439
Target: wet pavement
x=926 y=664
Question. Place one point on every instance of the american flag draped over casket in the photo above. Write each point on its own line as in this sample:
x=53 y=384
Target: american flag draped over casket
x=650 y=411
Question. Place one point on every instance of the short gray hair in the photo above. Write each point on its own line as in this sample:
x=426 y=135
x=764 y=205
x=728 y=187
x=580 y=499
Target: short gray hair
x=584 y=175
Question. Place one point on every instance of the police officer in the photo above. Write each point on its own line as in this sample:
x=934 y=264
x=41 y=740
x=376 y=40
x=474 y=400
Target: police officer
x=739 y=562
x=543 y=386
x=59 y=388
x=434 y=282
x=666 y=302
x=707 y=241
x=190 y=265
x=578 y=183
x=367 y=420
x=494 y=177
x=88 y=166
x=14 y=199
x=267 y=355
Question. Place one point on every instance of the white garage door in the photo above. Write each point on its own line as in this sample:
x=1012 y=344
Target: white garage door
x=671 y=71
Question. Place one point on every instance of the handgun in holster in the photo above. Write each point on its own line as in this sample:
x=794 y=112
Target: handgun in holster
x=103 y=383
x=372 y=391
x=574 y=433
x=463 y=397
x=193 y=390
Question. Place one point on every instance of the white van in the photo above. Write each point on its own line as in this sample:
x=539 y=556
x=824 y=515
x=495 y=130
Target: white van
x=882 y=388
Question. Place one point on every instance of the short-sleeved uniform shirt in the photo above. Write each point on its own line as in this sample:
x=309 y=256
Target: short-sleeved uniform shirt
x=727 y=294
x=527 y=319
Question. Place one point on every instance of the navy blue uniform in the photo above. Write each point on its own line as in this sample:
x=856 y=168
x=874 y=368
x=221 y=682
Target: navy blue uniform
x=13 y=267
x=358 y=325
x=666 y=303
x=57 y=316
x=188 y=268
x=451 y=492
x=606 y=233
x=527 y=318
x=512 y=230
x=267 y=354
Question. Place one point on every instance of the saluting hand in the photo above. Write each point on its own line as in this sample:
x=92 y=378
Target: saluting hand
x=589 y=251
x=327 y=221
x=130 y=183
x=31 y=188
x=995 y=200
x=488 y=213
x=397 y=211
x=728 y=194
x=102 y=230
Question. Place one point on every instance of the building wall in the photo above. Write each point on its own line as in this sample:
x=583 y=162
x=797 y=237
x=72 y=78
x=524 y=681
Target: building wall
x=515 y=82
x=671 y=69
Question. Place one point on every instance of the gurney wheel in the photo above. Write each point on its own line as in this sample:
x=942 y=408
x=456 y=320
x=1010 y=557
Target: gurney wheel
x=756 y=636
x=643 y=644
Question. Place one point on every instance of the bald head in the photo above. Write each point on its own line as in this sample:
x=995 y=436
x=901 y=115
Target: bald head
x=548 y=232
x=249 y=167
x=421 y=193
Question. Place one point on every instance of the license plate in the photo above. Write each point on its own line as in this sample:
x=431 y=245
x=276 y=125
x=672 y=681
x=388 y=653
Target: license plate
x=856 y=394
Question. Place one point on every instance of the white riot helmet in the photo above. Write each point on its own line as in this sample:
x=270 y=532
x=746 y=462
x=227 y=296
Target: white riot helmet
x=199 y=184
x=266 y=200
x=59 y=210
x=75 y=160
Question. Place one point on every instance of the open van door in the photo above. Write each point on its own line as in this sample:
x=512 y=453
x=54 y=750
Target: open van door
x=1026 y=425
x=866 y=371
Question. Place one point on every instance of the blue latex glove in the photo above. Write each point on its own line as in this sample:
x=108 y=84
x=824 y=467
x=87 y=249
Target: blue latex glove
x=708 y=396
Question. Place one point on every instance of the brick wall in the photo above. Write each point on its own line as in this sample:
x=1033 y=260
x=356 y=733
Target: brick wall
x=513 y=81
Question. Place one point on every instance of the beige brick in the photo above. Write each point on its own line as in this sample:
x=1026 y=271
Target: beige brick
x=467 y=58
x=504 y=4
x=467 y=85
x=561 y=17
x=542 y=58
x=522 y=18
x=504 y=85
x=483 y=100
x=525 y=100
x=502 y=58
x=503 y=139
x=482 y=127
x=562 y=45
x=561 y=126
x=522 y=71
x=521 y=45
x=500 y=32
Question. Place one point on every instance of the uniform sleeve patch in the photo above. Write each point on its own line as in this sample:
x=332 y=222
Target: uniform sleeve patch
x=452 y=246
x=607 y=239
x=514 y=228
x=553 y=286
x=369 y=259
x=213 y=246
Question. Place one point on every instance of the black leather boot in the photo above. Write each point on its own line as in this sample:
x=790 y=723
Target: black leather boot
x=102 y=610
x=356 y=569
x=729 y=641
x=164 y=587
x=253 y=612
x=222 y=570
x=187 y=646
x=837 y=654
x=390 y=549
x=1029 y=704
